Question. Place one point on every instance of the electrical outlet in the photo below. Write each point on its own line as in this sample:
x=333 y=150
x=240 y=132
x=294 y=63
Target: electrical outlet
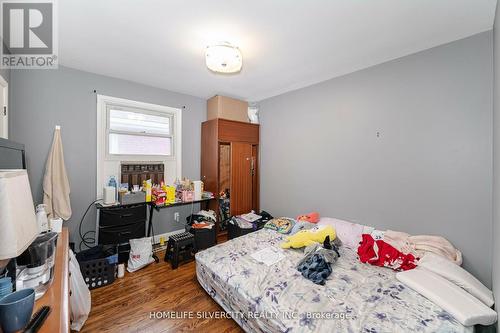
x=176 y=217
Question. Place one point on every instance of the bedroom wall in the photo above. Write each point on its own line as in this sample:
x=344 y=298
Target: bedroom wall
x=43 y=98
x=496 y=158
x=405 y=145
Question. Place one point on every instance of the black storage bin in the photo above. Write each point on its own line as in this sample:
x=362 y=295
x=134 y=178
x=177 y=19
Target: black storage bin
x=203 y=238
x=234 y=231
x=97 y=273
x=95 y=267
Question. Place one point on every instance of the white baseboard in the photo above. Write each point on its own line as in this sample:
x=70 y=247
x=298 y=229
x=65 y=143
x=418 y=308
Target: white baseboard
x=166 y=235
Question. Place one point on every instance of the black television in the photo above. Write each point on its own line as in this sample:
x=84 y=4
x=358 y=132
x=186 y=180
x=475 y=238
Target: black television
x=12 y=155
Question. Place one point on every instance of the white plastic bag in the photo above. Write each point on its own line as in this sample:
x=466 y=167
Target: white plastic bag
x=141 y=254
x=79 y=299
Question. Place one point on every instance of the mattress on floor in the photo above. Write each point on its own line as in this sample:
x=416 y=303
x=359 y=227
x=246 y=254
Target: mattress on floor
x=357 y=297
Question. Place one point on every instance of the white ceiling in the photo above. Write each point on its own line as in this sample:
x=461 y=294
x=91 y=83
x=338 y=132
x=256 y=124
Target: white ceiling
x=286 y=44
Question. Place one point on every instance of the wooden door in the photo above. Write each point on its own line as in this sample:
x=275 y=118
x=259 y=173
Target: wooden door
x=210 y=156
x=255 y=178
x=241 y=178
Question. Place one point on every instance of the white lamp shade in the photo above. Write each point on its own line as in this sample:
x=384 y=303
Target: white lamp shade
x=223 y=58
x=18 y=227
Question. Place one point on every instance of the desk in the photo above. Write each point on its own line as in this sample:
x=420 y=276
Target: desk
x=57 y=296
x=153 y=207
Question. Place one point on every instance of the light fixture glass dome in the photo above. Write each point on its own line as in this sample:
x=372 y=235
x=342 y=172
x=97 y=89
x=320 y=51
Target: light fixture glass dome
x=223 y=58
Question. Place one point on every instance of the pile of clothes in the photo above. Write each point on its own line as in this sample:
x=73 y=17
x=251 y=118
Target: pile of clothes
x=204 y=219
x=255 y=224
x=401 y=251
x=380 y=253
x=317 y=263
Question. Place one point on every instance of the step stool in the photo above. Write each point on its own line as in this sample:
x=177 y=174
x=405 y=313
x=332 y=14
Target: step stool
x=180 y=247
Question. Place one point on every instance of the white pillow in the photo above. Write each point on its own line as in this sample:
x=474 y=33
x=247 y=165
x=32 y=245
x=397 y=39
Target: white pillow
x=349 y=233
x=377 y=234
x=459 y=276
x=467 y=309
x=368 y=230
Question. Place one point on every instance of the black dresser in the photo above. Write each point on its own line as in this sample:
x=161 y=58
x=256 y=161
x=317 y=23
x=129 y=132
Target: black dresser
x=116 y=225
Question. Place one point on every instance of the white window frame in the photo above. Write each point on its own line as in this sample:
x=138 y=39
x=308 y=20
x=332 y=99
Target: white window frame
x=172 y=135
x=103 y=156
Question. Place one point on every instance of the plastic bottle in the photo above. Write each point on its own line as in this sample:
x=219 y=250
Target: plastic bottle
x=112 y=182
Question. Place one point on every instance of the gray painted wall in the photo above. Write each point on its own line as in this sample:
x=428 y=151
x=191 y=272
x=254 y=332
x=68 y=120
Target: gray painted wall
x=496 y=159
x=43 y=98
x=429 y=171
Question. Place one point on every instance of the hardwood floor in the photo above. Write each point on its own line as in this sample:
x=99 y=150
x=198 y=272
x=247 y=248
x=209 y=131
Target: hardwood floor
x=125 y=305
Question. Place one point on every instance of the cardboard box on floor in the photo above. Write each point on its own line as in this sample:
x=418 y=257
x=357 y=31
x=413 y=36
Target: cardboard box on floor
x=227 y=108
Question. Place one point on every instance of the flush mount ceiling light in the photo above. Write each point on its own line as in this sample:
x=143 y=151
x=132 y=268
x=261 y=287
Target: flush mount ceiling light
x=223 y=58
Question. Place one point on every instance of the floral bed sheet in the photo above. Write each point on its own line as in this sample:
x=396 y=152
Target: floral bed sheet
x=356 y=297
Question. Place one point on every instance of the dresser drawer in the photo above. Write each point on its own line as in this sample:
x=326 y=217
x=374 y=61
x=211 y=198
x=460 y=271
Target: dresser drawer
x=122 y=233
x=117 y=216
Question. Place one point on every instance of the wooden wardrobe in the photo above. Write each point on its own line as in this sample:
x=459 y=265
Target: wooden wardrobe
x=229 y=160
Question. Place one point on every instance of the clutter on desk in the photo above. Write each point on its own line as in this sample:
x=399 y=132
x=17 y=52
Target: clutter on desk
x=129 y=198
x=187 y=196
x=161 y=194
x=183 y=190
x=147 y=187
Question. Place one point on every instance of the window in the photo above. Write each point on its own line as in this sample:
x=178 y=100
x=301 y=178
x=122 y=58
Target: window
x=138 y=132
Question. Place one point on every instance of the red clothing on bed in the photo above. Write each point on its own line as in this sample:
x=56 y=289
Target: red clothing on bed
x=380 y=253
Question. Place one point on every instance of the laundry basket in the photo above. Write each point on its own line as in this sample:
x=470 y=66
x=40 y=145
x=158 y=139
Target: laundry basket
x=97 y=272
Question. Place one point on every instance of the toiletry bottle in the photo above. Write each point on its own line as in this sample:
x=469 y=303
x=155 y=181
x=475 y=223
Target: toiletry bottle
x=112 y=182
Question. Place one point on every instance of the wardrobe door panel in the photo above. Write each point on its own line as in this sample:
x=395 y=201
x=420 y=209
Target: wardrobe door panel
x=255 y=178
x=241 y=178
x=209 y=156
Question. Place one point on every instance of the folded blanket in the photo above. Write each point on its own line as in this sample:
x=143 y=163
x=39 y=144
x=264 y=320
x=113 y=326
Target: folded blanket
x=419 y=245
